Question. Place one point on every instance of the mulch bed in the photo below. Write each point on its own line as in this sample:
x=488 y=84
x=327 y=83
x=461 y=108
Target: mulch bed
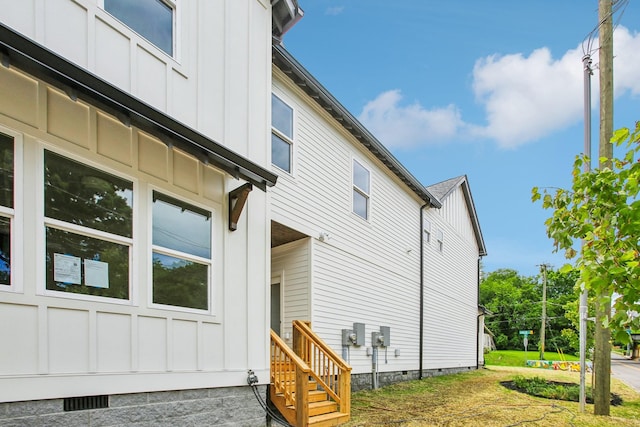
x=616 y=400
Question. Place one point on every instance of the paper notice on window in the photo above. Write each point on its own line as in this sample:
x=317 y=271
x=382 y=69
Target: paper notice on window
x=66 y=269
x=96 y=273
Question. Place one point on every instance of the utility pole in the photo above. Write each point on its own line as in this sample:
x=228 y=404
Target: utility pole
x=543 y=320
x=586 y=60
x=602 y=359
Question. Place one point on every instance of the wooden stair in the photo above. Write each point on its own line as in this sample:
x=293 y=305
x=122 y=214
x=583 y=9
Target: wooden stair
x=306 y=396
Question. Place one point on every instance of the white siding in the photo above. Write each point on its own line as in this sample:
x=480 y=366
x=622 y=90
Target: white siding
x=291 y=267
x=367 y=271
x=69 y=345
x=349 y=288
x=217 y=82
x=451 y=304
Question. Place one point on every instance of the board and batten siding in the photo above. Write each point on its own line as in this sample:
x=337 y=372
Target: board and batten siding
x=217 y=81
x=451 y=288
x=67 y=345
x=367 y=271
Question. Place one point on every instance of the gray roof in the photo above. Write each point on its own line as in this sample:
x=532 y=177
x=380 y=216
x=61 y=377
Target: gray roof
x=300 y=76
x=443 y=189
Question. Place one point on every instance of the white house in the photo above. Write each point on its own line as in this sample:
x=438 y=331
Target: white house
x=145 y=247
x=125 y=128
x=356 y=239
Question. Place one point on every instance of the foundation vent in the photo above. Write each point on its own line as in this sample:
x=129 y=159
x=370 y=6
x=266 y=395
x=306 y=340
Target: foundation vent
x=86 y=402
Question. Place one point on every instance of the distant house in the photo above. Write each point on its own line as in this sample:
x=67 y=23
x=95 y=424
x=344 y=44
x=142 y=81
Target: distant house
x=356 y=239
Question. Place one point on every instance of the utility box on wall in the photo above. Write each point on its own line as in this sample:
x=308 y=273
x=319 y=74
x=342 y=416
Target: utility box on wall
x=358 y=328
x=386 y=336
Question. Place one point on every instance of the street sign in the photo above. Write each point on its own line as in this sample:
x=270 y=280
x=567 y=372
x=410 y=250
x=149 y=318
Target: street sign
x=525 y=333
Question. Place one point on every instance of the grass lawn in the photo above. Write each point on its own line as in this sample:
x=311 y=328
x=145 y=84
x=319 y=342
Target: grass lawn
x=518 y=358
x=477 y=398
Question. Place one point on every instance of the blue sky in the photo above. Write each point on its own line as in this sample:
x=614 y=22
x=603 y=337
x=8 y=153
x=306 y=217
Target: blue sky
x=490 y=89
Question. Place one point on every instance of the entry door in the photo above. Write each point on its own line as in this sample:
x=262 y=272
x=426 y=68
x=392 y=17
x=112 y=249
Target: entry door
x=275 y=308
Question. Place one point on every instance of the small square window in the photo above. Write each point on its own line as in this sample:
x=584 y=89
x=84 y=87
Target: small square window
x=152 y=19
x=427 y=231
x=440 y=239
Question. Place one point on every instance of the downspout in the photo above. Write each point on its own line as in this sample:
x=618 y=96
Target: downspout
x=421 y=351
x=478 y=321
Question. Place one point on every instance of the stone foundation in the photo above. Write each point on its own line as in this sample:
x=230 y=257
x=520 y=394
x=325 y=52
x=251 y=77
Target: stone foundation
x=230 y=407
x=365 y=381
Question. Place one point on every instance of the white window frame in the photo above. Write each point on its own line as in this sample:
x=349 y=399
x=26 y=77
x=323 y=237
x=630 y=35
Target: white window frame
x=362 y=192
x=43 y=222
x=178 y=254
x=427 y=231
x=173 y=4
x=440 y=239
x=15 y=215
x=283 y=137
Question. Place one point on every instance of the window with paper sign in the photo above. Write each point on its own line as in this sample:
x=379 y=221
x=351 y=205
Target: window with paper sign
x=88 y=229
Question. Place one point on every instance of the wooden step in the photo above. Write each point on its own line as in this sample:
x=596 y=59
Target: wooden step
x=323 y=407
x=291 y=385
x=326 y=420
x=317 y=395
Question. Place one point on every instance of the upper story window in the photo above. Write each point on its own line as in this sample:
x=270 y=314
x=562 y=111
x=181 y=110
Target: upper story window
x=427 y=231
x=181 y=253
x=281 y=134
x=6 y=206
x=152 y=19
x=88 y=229
x=440 y=239
x=361 y=189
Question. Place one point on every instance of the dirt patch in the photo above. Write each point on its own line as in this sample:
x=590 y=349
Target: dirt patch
x=616 y=400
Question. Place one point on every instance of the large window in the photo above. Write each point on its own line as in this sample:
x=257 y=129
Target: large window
x=281 y=134
x=181 y=253
x=361 y=189
x=88 y=227
x=6 y=206
x=152 y=19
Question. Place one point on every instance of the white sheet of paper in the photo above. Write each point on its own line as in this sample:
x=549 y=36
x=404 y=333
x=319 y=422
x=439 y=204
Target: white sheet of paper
x=96 y=273
x=66 y=269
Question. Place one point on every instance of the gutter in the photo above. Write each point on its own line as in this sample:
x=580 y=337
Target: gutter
x=42 y=63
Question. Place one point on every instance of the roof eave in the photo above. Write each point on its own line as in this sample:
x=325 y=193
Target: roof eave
x=301 y=77
x=33 y=58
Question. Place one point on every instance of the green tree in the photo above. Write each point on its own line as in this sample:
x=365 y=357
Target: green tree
x=602 y=209
x=516 y=302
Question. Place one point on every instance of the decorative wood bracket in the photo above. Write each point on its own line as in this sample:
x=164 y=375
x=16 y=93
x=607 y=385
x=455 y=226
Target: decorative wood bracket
x=237 y=200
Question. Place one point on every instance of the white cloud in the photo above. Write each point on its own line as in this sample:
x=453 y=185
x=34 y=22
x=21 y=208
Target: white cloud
x=524 y=99
x=405 y=126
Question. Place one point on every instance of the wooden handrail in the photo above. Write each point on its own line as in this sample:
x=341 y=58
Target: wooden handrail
x=332 y=374
x=310 y=365
x=306 y=328
x=292 y=384
x=290 y=353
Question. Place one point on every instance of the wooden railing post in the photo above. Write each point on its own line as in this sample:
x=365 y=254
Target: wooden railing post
x=302 y=398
